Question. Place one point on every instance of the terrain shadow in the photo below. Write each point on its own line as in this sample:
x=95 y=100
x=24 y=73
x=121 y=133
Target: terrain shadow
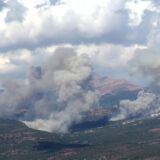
x=53 y=147
x=90 y=124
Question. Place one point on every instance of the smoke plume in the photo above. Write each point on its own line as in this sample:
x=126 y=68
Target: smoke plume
x=145 y=64
x=54 y=96
x=143 y=106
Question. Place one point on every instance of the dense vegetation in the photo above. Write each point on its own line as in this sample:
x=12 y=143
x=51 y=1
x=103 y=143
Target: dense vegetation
x=115 y=141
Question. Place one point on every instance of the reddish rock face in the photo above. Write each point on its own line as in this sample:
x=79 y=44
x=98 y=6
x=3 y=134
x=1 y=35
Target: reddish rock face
x=108 y=85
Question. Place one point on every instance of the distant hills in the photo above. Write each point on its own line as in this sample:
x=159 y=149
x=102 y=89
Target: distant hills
x=94 y=138
x=108 y=85
x=111 y=90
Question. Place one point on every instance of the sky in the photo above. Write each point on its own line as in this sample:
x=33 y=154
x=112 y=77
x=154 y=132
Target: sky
x=116 y=35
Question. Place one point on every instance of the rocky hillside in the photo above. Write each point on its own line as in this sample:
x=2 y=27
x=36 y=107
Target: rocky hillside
x=111 y=90
x=107 y=85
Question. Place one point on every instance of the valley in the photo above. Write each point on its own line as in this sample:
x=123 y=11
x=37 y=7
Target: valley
x=115 y=141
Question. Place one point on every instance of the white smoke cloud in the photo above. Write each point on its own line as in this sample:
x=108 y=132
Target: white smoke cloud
x=146 y=64
x=143 y=106
x=55 y=96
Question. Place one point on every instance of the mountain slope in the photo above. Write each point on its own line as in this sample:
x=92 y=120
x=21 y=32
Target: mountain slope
x=107 y=85
x=115 y=141
x=112 y=91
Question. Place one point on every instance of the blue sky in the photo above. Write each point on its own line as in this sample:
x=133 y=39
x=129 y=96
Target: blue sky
x=119 y=36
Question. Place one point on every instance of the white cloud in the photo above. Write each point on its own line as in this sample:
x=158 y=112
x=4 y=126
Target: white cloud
x=69 y=21
x=15 y=12
x=109 y=31
x=34 y=3
x=5 y=65
x=109 y=55
x=136 y=10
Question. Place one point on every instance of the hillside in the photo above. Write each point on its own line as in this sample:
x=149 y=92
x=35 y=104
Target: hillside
x=107 y=85
x=115 y=141
x=111 y=90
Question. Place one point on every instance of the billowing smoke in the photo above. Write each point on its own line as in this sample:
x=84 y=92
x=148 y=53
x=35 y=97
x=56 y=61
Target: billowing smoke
x=54 y=96
x=144 y=106
x=145 y=64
